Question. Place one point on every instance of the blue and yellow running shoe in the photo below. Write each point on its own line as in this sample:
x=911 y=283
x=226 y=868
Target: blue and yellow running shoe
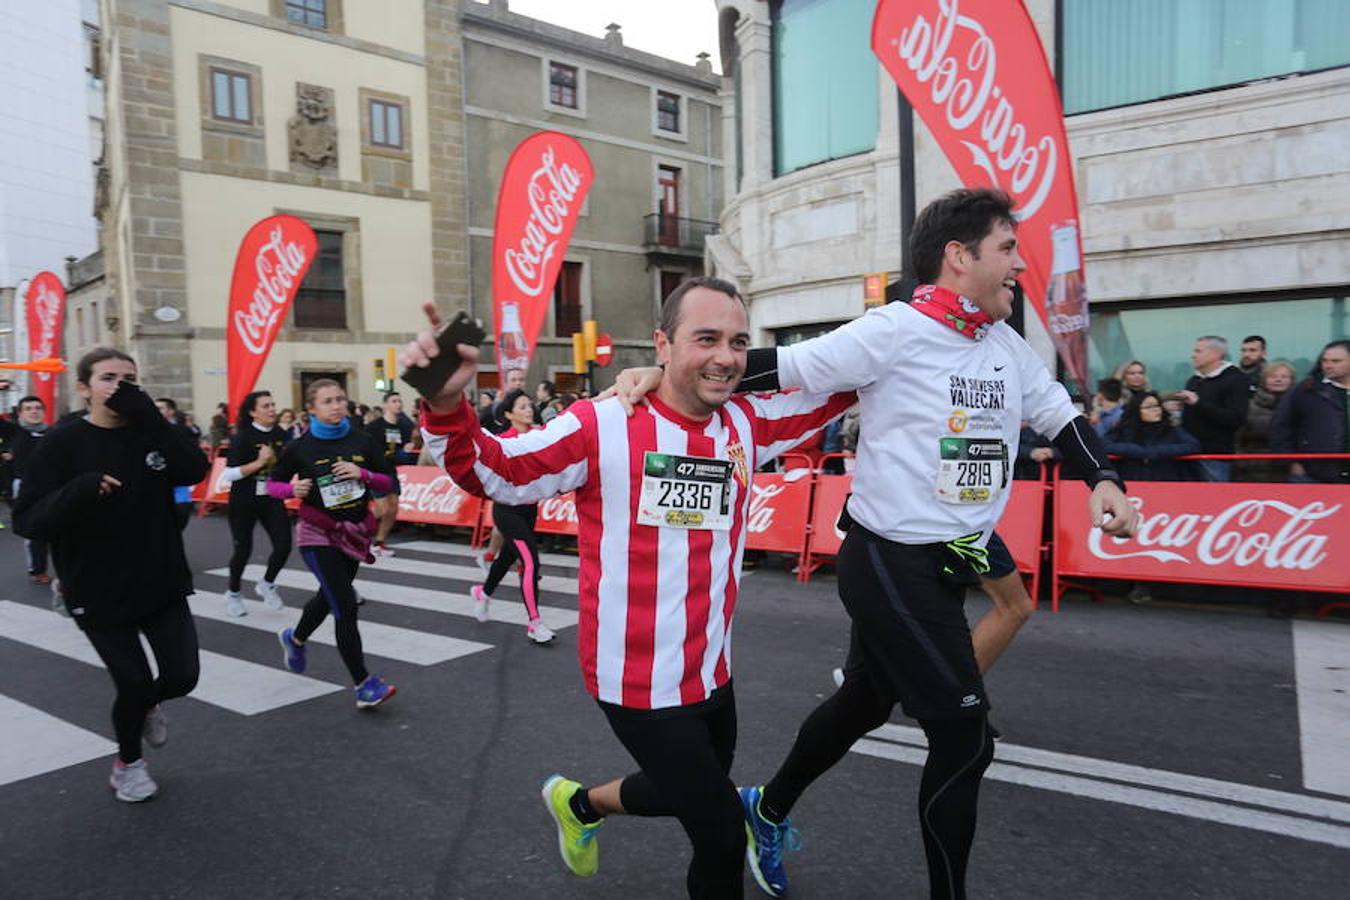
x=576 y=840
x=765 y=843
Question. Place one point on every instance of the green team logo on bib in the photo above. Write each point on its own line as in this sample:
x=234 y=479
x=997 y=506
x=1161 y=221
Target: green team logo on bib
x=971 y=470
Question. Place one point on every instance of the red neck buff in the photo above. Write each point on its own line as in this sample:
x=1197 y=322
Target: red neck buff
x=953 y=310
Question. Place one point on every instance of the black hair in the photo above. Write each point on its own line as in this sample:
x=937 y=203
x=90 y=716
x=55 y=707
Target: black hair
x=248 y=404
x=1109 y=388
x=1255 y=337
x=670 y=309
x=1316 y=374
x=84 y=369
x=31 y=398
x=391 y=394
x=509 y=402
x=966 y=216
x=1131 y=427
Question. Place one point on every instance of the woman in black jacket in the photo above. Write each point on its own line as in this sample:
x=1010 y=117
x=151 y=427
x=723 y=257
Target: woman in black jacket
x=1148 y=444
x=99 y=490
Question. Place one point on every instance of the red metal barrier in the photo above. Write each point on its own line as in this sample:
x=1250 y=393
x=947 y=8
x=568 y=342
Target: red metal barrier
x=1281 y=536
x=780 y=512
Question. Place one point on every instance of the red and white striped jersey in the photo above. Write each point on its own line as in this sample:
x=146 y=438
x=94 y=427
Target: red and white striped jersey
x=655 y=602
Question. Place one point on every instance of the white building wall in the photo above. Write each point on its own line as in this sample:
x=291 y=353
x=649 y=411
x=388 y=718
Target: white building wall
x=46 y=181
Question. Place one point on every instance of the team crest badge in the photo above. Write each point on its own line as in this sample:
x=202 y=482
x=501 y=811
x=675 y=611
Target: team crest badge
x=736 y=454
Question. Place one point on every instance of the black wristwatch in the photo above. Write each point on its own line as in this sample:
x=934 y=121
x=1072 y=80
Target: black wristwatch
x=1100 y=475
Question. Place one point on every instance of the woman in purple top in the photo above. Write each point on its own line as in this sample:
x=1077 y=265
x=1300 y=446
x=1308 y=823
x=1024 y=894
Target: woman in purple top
x=335 y=468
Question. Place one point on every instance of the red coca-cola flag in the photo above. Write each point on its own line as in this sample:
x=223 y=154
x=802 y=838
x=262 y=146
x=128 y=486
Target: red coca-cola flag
x=975 y=72
x=272 y=261
x=45 y=302
x=543 y=187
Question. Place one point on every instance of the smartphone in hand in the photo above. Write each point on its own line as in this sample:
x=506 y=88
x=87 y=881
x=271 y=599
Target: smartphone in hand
x=461 y=328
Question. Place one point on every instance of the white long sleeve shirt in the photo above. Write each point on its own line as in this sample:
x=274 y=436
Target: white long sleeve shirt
x=936 y=405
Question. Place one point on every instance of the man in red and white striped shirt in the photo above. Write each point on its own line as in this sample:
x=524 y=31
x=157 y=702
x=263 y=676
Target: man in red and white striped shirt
x=662 y=502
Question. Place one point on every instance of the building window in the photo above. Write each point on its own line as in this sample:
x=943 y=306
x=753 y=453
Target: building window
x=825 y=102
x=562 y=85
x=310 y=13
x=321 y=301
x=668 y=112
x=386 y=124
x=230 y=96
x=567 y=312
x=1118 y=52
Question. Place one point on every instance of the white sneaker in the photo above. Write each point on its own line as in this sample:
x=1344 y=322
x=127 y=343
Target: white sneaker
x=838 y=675
x=132 y=782
x=381 y=551
x=234 y=604
x=483 y=561
x=480 y=602
x=156 y=731
x=539 y=632
x=270 y=596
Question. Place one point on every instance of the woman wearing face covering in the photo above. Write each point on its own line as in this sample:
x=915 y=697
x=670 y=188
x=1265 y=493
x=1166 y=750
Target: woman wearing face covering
x=99 y=490
x=1148 y=443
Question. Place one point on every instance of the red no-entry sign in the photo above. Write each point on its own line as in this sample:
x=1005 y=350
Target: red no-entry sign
x=604 y=349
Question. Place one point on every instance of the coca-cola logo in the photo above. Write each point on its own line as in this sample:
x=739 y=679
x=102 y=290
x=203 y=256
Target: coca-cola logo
x=46 y=309
x=440 y=495
x=1267 y=533
x=966 y=90
x=559 y=509
x=550 y=191
x=277 y=266
x=762 y=508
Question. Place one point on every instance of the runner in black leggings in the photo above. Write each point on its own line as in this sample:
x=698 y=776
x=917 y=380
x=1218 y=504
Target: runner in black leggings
x=516 y=523
x=254 y=449
x=100 y=491
x=336 y=467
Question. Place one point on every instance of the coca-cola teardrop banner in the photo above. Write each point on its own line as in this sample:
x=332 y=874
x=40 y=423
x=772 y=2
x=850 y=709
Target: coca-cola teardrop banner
x=45 y=303
x=543 y=187
x=272 y=261
x=975 y=72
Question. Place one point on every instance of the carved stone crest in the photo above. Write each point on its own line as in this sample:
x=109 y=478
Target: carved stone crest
x=313 y=130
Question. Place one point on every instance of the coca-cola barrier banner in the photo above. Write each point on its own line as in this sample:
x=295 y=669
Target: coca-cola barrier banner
x=426 y=494
x=1288 y=536
x=780 y=507
x=45 y=303
x=273 y=258
x=543 y=188
x=976 y=73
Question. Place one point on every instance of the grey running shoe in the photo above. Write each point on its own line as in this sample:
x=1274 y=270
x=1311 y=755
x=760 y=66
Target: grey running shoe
x=234 y=604
x=270 y=596
x=132 y=783
x=156 y=731
x=480 y=602
x=538 y=632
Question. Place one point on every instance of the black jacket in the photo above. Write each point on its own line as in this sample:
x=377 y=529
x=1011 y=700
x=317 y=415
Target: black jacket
x=1154 y=460
x=1311 y=418
x=1221 y=410
x=119 y=556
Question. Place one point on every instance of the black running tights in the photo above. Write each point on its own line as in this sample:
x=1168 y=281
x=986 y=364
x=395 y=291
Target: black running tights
x=516 y=523
x=336 y=571
x=685 y=761
x=173 y=639
x=244 y=514
x=959 y=750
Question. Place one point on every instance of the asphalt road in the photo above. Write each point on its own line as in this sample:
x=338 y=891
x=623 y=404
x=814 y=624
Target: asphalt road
x=1148 y=753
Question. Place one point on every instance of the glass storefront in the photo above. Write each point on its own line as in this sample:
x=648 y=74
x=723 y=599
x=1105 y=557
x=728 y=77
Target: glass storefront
x=1117 y=52
x=824 y=81
x=1162 y=336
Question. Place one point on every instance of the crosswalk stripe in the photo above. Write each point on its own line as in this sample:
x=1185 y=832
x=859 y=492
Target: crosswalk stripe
x=234 y=684
x=557 y=584
x=506 y=609
x=1322 y=671
x=444 y=548
x=34 y=743
x=389 y=641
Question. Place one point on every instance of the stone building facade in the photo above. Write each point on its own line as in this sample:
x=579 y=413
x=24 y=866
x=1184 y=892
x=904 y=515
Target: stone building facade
x=1206 y=207
x=343 y=113
x=652 y=128
x=385 y=126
